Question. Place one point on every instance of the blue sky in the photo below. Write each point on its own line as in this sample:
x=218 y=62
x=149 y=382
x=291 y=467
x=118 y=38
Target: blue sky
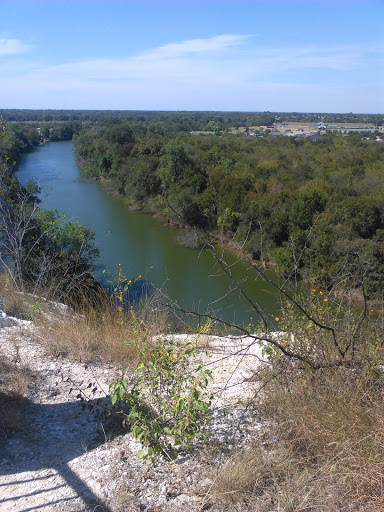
x=249 y=55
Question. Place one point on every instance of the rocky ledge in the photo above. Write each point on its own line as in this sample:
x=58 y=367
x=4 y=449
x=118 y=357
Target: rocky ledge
x=68 y=458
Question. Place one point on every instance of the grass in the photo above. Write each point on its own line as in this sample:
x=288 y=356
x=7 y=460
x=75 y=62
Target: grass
x=322 y=447
x=98 y=330
x=12 y=301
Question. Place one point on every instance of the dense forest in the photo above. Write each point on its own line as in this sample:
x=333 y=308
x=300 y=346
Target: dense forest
x=313 y=208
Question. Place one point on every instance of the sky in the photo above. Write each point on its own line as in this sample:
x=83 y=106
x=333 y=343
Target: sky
x=222 y=55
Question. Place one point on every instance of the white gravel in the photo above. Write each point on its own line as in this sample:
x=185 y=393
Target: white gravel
x=67 y=460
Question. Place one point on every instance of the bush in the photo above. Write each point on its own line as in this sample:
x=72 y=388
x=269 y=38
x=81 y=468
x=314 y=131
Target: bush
x=168 y=402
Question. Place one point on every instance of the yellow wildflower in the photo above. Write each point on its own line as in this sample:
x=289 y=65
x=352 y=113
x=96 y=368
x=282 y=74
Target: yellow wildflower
x=277 y=318
x=325 y=300
x=320 y=293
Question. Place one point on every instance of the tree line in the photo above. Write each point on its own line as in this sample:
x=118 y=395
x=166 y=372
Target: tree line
x=188 y=121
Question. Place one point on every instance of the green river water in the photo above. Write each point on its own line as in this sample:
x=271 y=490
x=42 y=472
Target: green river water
x=142 y=244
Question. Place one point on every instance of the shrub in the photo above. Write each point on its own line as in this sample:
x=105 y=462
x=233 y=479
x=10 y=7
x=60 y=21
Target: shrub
x=168 y=402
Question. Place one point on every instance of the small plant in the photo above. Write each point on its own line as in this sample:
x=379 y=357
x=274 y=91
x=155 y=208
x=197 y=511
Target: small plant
x=169 y=401
x=36 y=309
x=120 y=292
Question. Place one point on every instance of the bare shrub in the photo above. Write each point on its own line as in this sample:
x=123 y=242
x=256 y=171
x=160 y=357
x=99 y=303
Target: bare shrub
x=189 y=239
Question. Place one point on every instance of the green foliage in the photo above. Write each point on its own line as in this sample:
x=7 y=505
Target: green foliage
x=363 y=216
x=61 y=131
x=303 y=210
x=324 y=198
x=142 y=182
x=229 y=220
x=169 y=402
x=174 y=164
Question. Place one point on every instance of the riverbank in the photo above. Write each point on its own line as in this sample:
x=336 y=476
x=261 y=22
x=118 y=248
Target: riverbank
x=189 y=237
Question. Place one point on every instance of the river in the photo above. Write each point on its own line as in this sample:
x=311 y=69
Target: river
x=142 y=244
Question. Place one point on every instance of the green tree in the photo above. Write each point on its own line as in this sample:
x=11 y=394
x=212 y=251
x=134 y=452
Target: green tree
x=174 y=164
x=304 y=209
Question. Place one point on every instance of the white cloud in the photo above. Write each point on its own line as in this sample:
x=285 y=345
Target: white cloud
x=13 y=47
x=172 y=59
x=204 y=59
x=196 y=46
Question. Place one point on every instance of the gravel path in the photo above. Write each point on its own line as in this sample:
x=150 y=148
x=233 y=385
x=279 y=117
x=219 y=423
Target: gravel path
x=65 y=460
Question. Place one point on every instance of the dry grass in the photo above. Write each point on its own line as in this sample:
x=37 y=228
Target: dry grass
x=13 y=301
x=15 y=379
x=100 y=331
x=95 y=329
x=322 y=450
